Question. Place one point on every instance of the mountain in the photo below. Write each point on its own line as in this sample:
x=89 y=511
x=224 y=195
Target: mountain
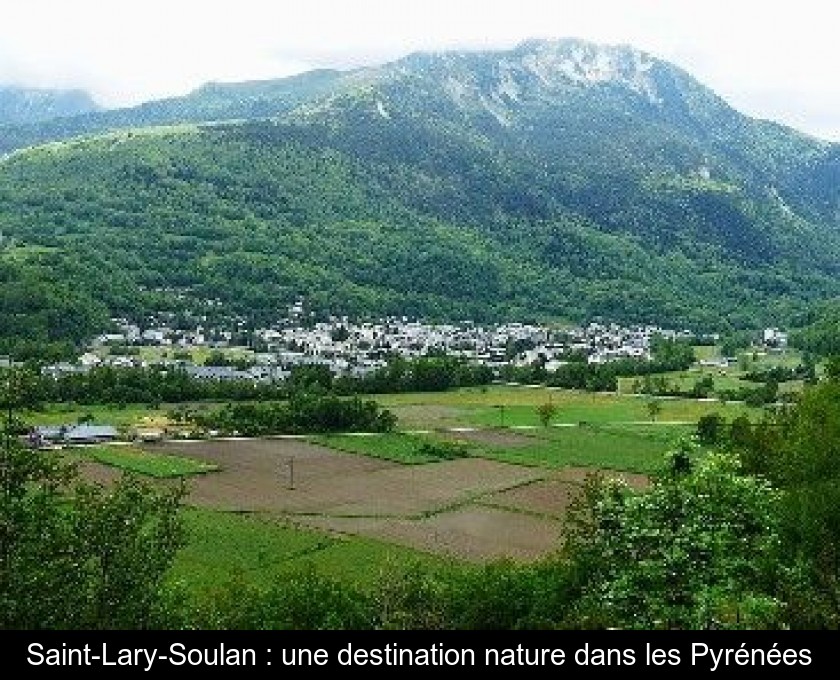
x=27 y=105
x=560 y=179
x=211 y=102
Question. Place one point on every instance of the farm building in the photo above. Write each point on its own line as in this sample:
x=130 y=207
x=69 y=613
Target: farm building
x=73 y=434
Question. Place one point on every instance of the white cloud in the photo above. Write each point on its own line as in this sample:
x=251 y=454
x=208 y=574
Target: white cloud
x=769 y=59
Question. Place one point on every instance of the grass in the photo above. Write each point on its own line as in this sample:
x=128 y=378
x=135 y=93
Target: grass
x=730 y=378
x=628 y=448
x=477 y=406
x=603 y=409
x=398 y=447
x=125 y=416
x=462 y=407
x=473 y=396
x=198 y=355
x=705 y=352
x=109 y=414
x=789 y=358
x=724 y=379
x=157 y=465
x=258 y=549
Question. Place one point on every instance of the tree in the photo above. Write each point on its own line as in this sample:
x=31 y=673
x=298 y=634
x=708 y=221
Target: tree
x=710 y=428
x=340 y=334
x=546 y=413
x=698 y=550
x=804 y=461
x=832 y=367
x=654 y=408
x=78 y=555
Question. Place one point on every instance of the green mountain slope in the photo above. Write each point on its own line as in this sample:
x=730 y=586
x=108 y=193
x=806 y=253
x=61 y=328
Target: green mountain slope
x=557 y=180
x=212 y=102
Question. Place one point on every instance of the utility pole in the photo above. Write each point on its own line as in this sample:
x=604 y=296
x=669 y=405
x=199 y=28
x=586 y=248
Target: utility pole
x=291 y=464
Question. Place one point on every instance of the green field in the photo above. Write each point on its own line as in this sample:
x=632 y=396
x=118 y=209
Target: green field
x=506 y=406
x=627 y=448
x=758 y=359
x=109 y=414
x=398 y=447
x=198 y=355
x=257 y=550
x=492 y=405
x=632 y=448
x=730 y=378
x=585 y=408
x=702 y=352
x=724 y=379
x=133 y=459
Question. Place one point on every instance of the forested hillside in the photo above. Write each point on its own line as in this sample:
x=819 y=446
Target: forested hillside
x=557 y=180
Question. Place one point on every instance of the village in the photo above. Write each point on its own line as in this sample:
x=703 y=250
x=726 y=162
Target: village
x=355 y=348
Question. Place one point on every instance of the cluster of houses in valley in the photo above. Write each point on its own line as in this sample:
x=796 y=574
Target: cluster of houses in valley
x=355 y=348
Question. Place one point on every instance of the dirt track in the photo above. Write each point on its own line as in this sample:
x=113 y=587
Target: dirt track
x=493 y=438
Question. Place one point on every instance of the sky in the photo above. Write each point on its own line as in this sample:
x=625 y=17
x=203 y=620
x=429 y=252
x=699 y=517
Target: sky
x=773 y=60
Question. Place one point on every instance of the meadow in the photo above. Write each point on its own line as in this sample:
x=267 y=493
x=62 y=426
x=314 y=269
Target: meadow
x=725 y=378
x=260 y=548
x=144 y=462
x=632 y=448
x=515 y=406
x=399 y=447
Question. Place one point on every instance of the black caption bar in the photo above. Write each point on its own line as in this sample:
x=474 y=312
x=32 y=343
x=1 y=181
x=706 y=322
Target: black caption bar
x=267 y=652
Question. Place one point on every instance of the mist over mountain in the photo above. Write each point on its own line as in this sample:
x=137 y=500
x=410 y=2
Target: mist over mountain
x=30 y=105
x=560 y=179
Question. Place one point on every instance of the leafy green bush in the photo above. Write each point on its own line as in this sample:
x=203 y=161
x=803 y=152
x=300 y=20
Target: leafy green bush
x=444 y=450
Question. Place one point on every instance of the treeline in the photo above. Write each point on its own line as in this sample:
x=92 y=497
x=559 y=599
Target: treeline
x=761 y=395
x=152 y=385
x=604 y=377
x=668 y=355
x=660 y=386
x=779 y=374
x=303 y=413
x=704 y=388
x=424 y=374
x=156 y=385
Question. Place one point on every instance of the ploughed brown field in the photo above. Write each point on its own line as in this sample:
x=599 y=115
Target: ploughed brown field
x=491 y=437
x=469 y=508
